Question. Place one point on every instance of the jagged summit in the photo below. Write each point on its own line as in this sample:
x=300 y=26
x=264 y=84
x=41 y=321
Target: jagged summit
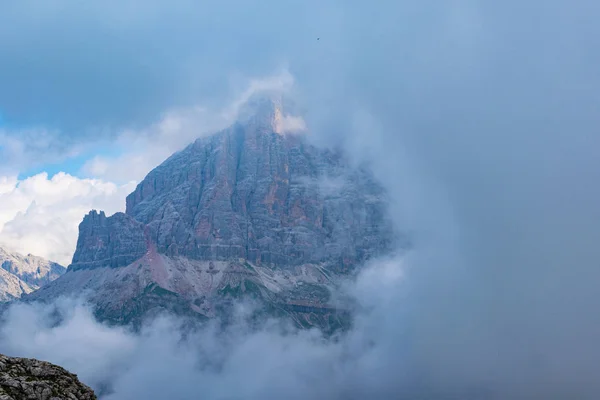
x=271 y=113
x=247 y=209
x=260 y=107
x=113 y=241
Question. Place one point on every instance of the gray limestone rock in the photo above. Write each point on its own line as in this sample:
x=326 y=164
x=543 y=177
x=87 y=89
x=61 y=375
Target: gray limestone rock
x=21 y=274
x=249 y=192
x=251 y=198
x=115 y=241
x=24 y=378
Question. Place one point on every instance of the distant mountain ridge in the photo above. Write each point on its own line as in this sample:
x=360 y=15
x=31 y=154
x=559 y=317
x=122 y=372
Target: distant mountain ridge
x=20 y=275
x=249 y=210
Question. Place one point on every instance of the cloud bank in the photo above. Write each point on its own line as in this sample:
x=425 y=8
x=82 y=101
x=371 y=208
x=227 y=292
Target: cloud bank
x=162 y=361
x=40 y=215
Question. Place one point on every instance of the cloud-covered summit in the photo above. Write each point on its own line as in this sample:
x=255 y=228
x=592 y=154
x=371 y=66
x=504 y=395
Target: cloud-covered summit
x=480 y=117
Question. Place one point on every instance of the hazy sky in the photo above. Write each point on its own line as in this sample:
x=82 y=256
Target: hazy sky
x=481 y=119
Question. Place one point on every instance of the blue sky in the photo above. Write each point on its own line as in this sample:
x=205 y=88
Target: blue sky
x=71 y=165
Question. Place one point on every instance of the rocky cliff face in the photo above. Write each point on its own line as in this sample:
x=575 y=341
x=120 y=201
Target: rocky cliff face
x=11 y=287
x=21 y=274
x=248 y=209
x=254 y=194
x=115 y=241
x=23 y=378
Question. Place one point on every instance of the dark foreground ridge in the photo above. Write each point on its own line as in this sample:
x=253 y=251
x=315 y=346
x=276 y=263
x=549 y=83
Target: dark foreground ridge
x=26 y=378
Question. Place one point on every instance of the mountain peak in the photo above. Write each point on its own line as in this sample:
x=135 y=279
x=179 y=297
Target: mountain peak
x=247 y=209
x=271 y=113
x=21 y=274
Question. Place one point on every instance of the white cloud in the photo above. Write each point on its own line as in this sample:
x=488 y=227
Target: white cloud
x=86 y=339
x=272 y=361
x=292 y=124
x=148 y=147
x=41 y=215
x=7 y=183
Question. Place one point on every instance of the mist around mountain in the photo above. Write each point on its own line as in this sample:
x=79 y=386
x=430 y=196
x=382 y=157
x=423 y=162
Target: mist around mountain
x=479 y=119
x=253 y=212
x=246 y=235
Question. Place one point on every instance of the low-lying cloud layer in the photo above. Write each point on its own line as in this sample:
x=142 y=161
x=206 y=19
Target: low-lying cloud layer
x=239 y=362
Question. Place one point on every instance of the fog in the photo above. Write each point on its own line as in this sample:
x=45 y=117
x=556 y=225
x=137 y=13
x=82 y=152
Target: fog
x=168 y=360
x=482 y=121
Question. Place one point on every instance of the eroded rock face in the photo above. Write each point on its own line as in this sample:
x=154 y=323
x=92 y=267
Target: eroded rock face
x=20 y=274
x=24 y=378
x=11 y=287
x=115 y=241
x=249 y=209
x=251 y=193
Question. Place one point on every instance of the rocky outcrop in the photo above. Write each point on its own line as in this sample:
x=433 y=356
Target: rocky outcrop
x=115 y=241
x=21 y=274
x=24 y=378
